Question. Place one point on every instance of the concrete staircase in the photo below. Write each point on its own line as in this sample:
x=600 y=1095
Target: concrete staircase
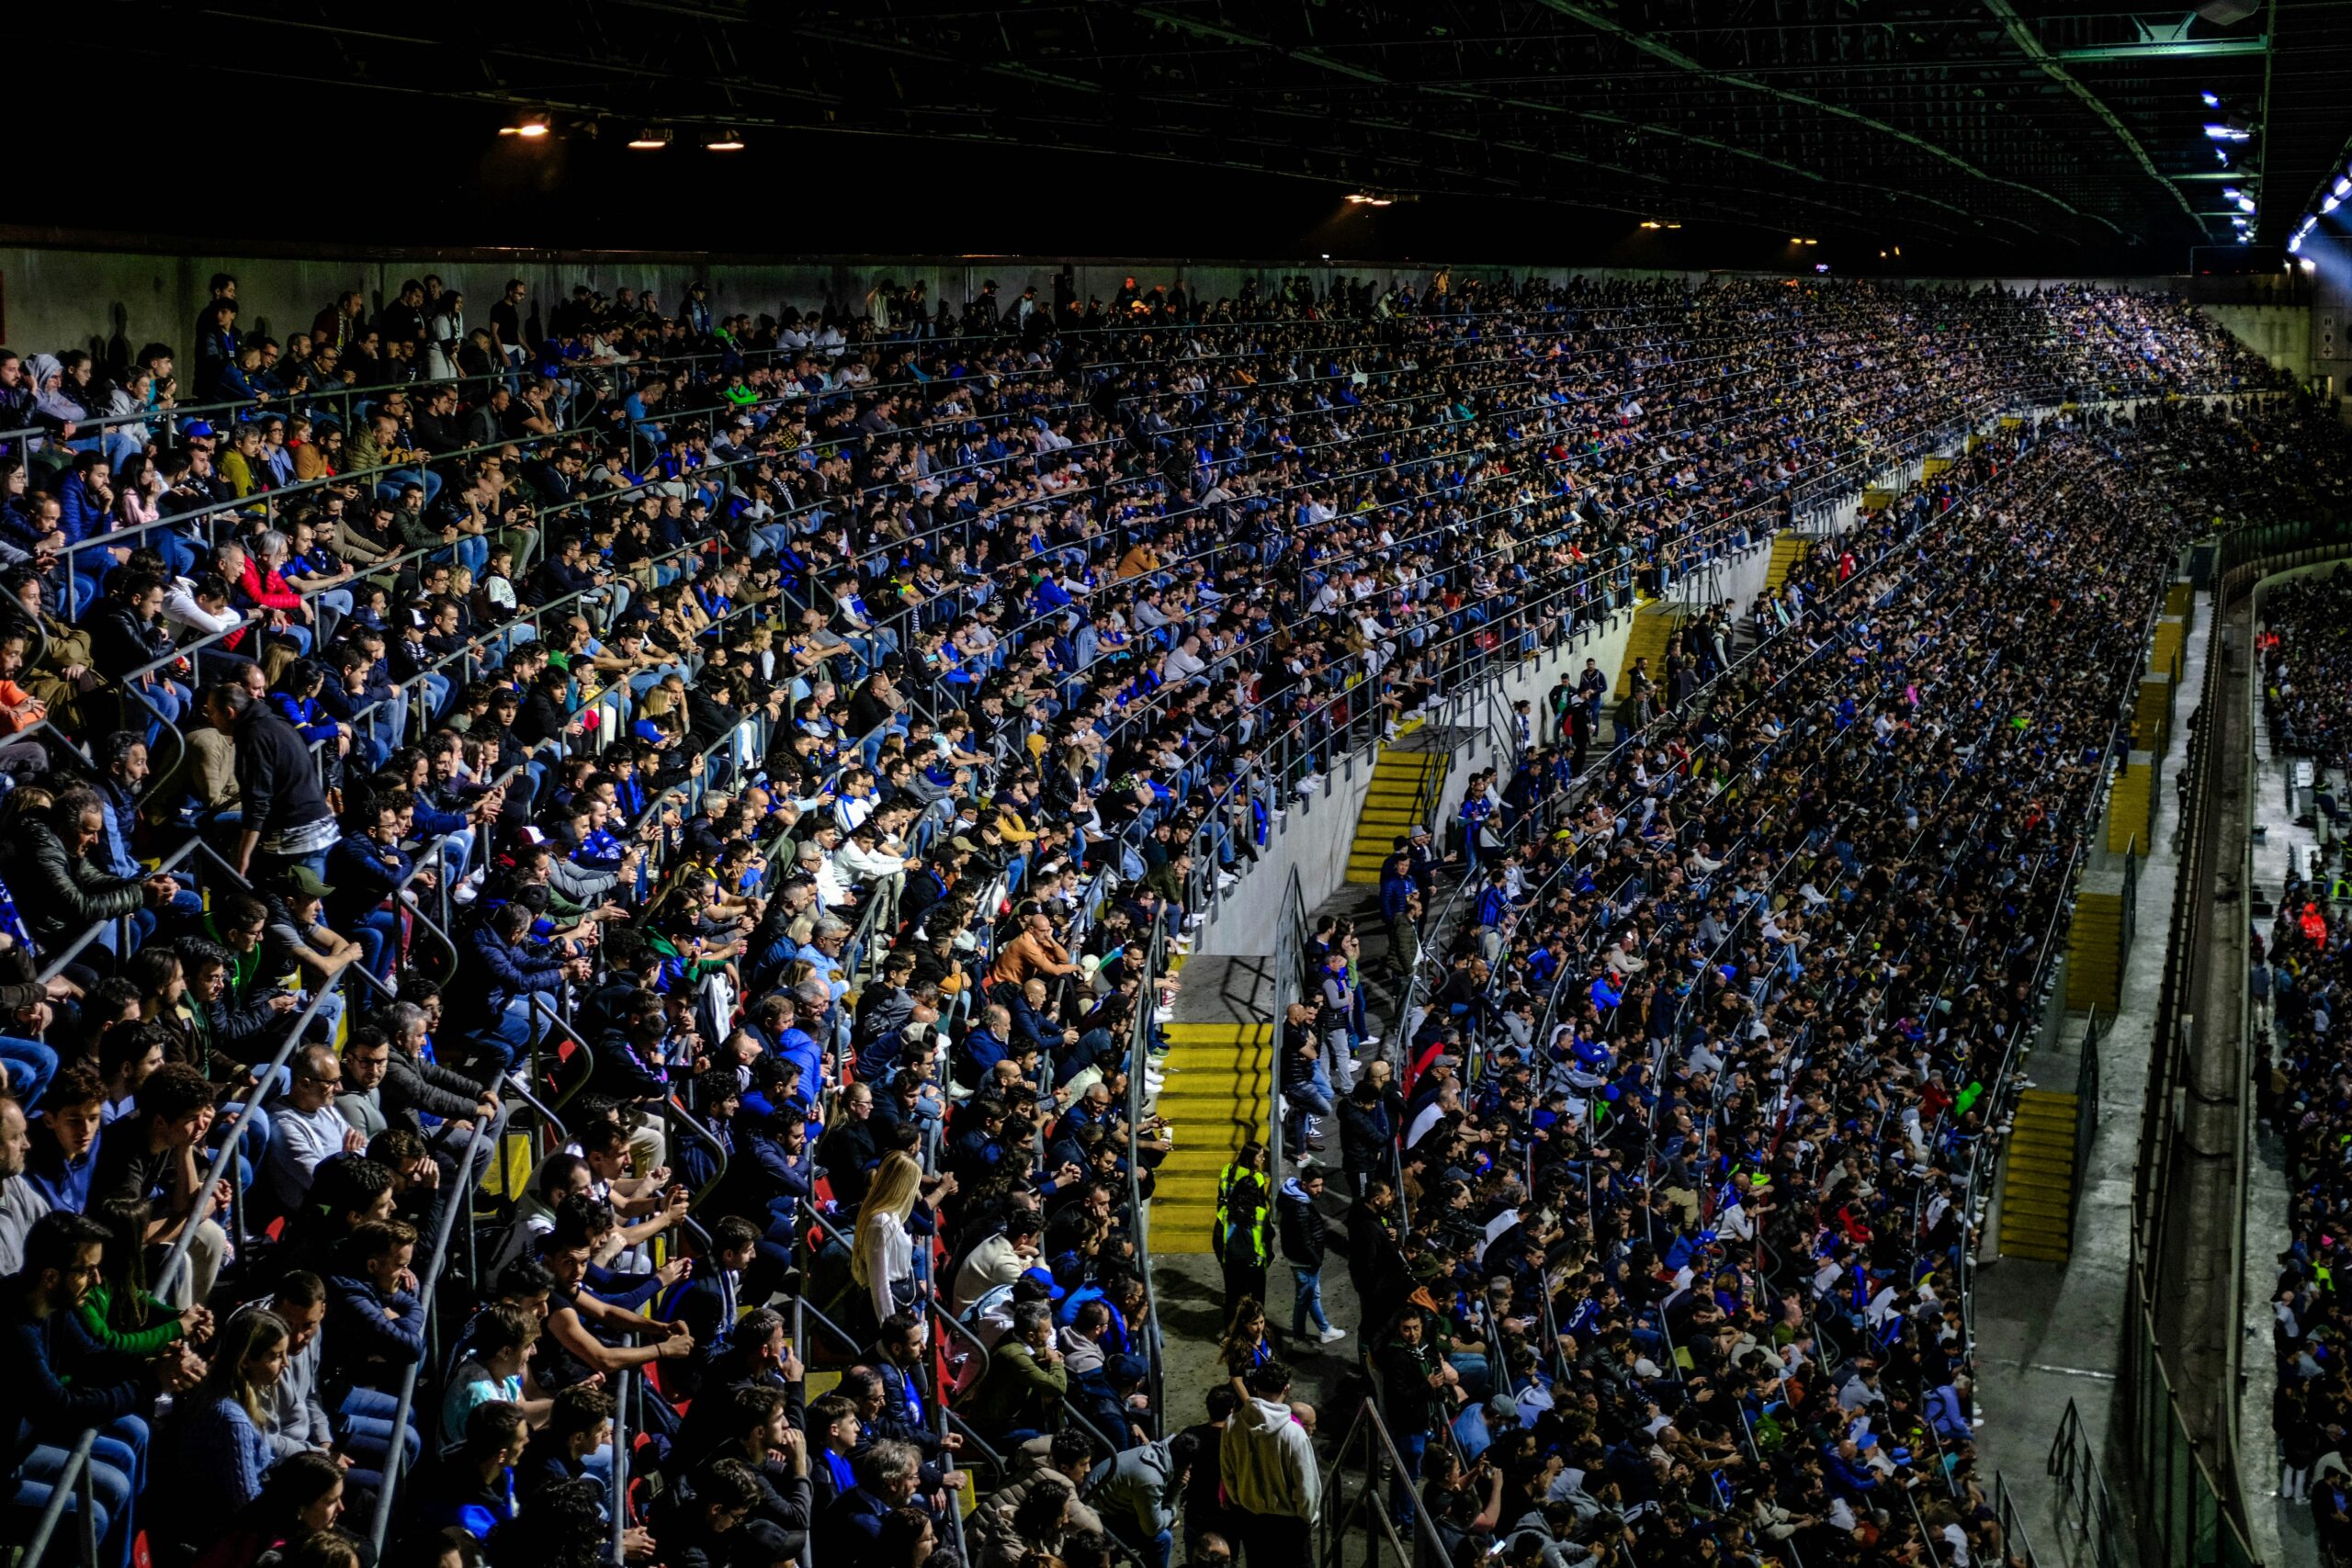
x=1398 y=780
x=1218 y=1093
x=2037 y=1190
x=1655 y=625
x=1788 y=550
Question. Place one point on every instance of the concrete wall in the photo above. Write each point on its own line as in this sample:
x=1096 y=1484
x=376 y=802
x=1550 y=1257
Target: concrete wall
x=2280 y=333
x=1318 y=833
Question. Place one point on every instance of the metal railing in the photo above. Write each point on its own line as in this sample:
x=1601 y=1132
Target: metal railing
x=2084 y=1503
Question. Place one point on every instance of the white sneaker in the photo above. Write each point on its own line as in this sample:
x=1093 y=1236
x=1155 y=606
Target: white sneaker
x=1225 y=882
x=1278 y=814
x=1369 y=1042
x=1195 y=922
x=1163 y=1015
x=1332 y=1335
x=1388 y=732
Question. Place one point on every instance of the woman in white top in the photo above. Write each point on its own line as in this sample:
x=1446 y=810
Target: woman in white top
x=882 y=1254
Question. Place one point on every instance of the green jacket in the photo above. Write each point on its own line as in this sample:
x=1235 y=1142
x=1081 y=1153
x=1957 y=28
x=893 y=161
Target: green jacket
x=110 y=1323
x=1016 y=1391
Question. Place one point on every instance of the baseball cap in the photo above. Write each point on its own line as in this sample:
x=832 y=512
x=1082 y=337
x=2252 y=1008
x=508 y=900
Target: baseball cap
x=197 y=429
x=301 y=879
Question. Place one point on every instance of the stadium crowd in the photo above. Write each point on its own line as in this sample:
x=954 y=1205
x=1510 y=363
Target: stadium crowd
x=569 y=873
x=2295 y=973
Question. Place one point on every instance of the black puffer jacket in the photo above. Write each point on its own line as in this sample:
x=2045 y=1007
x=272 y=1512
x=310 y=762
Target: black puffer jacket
x=1303 y=1233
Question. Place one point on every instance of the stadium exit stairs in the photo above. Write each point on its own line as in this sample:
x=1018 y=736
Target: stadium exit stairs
x=1788 y=551
x=1401 y=778
x=1216 y=1094
x=2037 y=1188
x=1655 y=625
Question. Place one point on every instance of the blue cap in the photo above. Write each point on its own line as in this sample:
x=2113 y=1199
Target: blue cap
x=197 y=429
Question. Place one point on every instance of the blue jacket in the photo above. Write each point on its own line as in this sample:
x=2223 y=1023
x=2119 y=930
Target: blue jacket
x=60 y=1380
x=360 y=1338
x=363 y=873
x=509 y=971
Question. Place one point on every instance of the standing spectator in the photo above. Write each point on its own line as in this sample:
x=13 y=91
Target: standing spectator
x=284 y=813
x=1267 y=1462
x=1136 y=1494
x=1304 y=1235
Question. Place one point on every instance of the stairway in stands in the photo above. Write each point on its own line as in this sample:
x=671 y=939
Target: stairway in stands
x=1217 y=1095
x=1399 y=779
x=2038 y=1192
x=1655 y=625
x=1788 y=550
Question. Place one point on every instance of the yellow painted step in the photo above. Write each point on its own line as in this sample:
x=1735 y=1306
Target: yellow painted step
x=1188 y=1032
x=2032 y=1251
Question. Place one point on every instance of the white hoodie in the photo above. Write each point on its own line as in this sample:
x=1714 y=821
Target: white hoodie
x=1267 y=1462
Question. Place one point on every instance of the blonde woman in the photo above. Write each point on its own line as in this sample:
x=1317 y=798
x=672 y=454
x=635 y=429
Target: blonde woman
x=223 y=1424
x=882 y=1254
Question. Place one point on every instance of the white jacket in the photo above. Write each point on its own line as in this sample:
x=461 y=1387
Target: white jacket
x=987 y=1266
x=1268 y=1463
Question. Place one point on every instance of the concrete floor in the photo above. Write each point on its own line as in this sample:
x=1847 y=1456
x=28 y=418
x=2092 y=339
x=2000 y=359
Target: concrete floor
x=1189 y=1288
x=2048 y=1334
x=2281 y=1532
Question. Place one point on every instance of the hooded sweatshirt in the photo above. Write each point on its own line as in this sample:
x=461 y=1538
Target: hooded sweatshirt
x=1136 y=1485
x=1267 y=1462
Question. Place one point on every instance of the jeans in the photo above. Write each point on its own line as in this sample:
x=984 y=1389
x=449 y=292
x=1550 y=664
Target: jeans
x=498 y=1044
x=118 y=1474
x=378 y=932
x=365 y=1426
x=31 y=1066
x=1309 y=1301
x=1154 y=1549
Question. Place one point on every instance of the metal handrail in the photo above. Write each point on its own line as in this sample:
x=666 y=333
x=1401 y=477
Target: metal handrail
x=431 y=1277
x=75 y=1482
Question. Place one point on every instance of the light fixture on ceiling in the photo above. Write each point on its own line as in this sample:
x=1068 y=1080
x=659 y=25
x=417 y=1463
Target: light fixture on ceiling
x=530 y=127
x=1813 y=242
x=2222 y=130
x=727 y=140
x=1652 y=223
x=2213 y=100
x=652 y=139
x=1674 y=225
x=2310 y=266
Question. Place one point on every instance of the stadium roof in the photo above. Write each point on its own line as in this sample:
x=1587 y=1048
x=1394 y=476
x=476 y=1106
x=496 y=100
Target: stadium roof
x=2012 y=130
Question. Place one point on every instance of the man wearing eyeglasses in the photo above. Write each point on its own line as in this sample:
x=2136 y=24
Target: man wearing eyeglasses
x=307 y=1128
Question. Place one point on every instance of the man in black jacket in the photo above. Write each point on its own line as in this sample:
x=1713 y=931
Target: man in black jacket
x=286 y=814
x=1304 y=1236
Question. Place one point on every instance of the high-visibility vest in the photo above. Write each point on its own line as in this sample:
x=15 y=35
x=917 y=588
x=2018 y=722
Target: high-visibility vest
x=1228 y=1184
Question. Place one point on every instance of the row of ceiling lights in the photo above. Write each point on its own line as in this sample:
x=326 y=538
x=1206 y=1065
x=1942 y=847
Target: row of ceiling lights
x=651 y=139
x=2232 y=130
x=2338 y=191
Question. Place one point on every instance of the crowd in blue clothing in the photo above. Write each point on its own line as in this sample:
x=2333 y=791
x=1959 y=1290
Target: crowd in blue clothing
x=1661 y=1211
x=782 y=741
